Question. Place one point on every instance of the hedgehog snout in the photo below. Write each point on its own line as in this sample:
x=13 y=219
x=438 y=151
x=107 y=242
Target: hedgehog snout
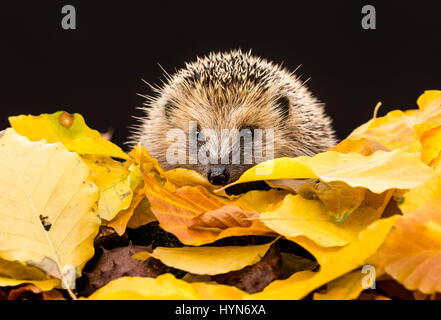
x=218 y=175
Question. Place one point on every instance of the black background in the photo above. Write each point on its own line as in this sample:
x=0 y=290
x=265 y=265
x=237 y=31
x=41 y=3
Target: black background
x=96 y=70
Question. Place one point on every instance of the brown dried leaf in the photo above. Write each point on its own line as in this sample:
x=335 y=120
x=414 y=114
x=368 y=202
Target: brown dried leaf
x=256 y=277
x=117 y=263
x=23 y=292
x=30 y=291
x=225 y=217
x=108 y=238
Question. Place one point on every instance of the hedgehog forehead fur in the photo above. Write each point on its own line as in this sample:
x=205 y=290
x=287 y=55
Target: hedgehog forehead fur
x=234 y=90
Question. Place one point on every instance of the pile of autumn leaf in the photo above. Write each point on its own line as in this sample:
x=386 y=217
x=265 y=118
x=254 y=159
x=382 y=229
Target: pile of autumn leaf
x=374 y=199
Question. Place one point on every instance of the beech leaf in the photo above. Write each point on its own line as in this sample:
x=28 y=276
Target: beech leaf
x=378 y=172
x=210 y=260
x=297 y=216
x=334 y=262
x=163 y=287
x=69 y=129
x=411 y=254
x=47 y=202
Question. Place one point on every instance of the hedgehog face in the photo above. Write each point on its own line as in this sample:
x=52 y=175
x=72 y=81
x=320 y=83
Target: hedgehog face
x=215 y=114
x=231 y=131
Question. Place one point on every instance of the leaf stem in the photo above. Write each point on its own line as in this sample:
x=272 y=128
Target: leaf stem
x=72 y=295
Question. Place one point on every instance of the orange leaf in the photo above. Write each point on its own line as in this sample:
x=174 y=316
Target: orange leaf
x=24 y=292
x=197 y=217
x=361 y=145
x=225 y=217
x=411 y=254
x=192 y=212
x=142 y=215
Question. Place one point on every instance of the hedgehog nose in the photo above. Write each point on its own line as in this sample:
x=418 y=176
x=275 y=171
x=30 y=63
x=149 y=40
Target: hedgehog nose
x=218 y=175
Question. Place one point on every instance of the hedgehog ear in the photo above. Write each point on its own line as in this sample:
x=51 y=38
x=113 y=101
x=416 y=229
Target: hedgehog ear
x=168 y=109
x=282 y=105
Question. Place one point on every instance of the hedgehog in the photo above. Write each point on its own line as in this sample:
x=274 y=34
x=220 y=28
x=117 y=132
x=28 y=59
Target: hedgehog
x=232 y=90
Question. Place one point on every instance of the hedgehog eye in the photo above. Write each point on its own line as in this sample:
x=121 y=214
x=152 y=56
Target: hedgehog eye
x=198 y=132
x=282 y=104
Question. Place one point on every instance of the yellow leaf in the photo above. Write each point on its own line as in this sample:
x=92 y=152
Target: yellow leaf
x=430 y=114
x=118 y=195
x=430 y=106
x=16 y=270
x=429 y=100
x=143 y=255
x=117 y=182
x=393 y=131
x=411 y=254
x=211 y=291
x=414 y=131
x=119 y=223
x=363 y=146
x=105 y=171
x=13 y=273
x=211 y=260
x=404 y=130
x=420 y=195
x=431 y=143
x=69 y=129
x=164 y=287
x=47 y=201
x=408 y=117
x=347 y=287
x=334 y=262
x=183 y=177
x=378 y=172
x=339 y=199
x=297 y=216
